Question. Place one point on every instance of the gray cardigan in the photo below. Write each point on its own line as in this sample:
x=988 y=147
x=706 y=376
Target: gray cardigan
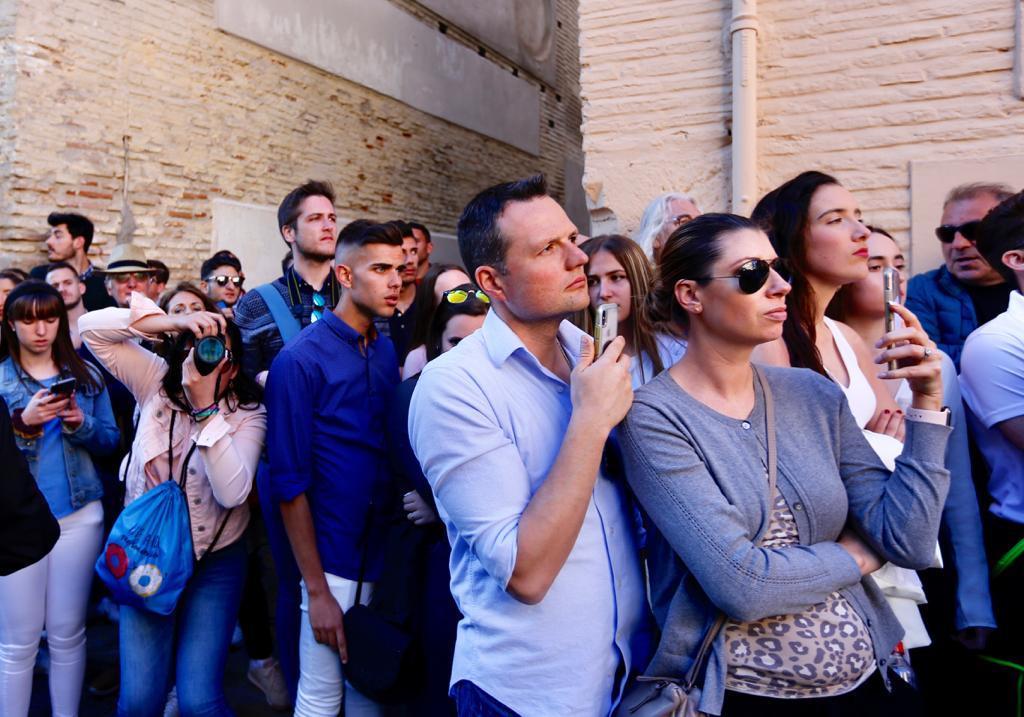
x=701 y=480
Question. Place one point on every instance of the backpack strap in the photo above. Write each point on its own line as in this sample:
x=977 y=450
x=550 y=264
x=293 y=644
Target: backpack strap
x=286 y=322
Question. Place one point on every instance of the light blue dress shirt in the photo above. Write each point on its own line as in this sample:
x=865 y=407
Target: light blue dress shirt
x=487 y=422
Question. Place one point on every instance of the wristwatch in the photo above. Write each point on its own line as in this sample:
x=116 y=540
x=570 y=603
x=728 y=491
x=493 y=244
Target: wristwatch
x=942 y=417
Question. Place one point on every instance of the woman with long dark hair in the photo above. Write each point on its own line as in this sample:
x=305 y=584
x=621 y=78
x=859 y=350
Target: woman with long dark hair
x=619 y=272
x=767 y=507
x=57 y=431
x=460 y=312
x=207 y=428
x=438 y=279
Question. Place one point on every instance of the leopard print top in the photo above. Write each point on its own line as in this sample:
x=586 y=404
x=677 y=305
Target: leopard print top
x=823 y=651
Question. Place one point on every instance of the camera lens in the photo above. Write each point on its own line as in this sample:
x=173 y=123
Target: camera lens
x=209 y=352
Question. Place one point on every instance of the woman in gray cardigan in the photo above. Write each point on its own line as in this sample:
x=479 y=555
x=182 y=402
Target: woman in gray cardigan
x=789 y=571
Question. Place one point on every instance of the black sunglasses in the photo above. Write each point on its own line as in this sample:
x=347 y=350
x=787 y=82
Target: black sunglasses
x=222 y=280
x=753 y=274
x=947 y=232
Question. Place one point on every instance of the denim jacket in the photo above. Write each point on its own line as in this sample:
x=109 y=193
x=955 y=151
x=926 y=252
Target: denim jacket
x=98 y=433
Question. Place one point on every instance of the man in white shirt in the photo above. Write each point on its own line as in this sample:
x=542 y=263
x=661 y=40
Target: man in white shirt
x=992 y=383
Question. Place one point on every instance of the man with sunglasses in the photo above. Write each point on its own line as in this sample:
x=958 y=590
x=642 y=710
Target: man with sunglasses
x=222 y=279
x=510 y=428
x=966 y=292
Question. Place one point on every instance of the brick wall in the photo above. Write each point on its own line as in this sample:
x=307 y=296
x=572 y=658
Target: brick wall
x=210 y=115
x=858 y=89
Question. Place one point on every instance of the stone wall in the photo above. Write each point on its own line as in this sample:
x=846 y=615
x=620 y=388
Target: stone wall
x=857 y=89
x=210 y=115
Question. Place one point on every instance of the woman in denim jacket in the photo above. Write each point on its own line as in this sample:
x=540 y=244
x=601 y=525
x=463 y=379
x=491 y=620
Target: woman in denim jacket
x=57 y=433
x=806 y=629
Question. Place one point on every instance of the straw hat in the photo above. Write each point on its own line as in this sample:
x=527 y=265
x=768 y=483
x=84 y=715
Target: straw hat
x=127 y=259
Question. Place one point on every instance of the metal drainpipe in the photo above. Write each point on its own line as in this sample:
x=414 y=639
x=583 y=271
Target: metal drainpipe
x=743 y=31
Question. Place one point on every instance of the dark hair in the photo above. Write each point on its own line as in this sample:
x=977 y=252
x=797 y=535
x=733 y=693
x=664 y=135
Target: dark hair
x=286 y=262
x=290 y=209
x=839 y=307
x=14 y=274
x=243 y=391
x=369 y=234
x=1002 y=230
x=425 y=303
x=640 y=276
x=353 y=229
x=34 y=299
x=404 y=227
x=221 y=258
x=189 y=288
x=161 y=274
x=783 y=213
x=78 y=226
x=688 y=253
x=422 y=228
x=444 y=313
x=480 y=242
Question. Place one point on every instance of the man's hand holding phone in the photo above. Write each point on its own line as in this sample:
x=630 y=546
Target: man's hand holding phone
x=602 y=388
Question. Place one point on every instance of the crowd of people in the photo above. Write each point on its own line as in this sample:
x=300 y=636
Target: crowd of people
x=416 y=488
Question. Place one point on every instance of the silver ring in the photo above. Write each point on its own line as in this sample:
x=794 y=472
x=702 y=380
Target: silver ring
x=927 y=352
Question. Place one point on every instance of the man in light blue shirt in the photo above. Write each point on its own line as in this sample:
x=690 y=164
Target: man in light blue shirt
x=510 y=429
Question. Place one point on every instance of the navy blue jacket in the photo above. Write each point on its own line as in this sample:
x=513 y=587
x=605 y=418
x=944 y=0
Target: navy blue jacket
x=945 y=310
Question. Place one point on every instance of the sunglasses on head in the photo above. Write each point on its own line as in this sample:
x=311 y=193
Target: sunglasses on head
x=458 y=296
x=222 y=280
x=753 y=274
x=968 y=230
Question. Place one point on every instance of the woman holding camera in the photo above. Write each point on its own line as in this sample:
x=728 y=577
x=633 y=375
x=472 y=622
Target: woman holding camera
x=201 y=419
x=61 y=415
x=767 y=506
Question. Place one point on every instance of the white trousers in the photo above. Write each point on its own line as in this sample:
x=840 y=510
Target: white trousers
x=321 y=680
x=52 y=593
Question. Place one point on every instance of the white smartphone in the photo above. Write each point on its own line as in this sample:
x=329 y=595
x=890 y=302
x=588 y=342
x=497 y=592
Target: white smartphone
x=890 y=292
x=606 y=326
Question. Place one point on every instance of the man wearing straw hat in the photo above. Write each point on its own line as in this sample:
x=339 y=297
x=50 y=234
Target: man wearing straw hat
x=126 y=271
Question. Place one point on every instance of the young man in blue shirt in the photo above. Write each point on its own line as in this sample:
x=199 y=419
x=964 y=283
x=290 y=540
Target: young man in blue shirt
x=327 y=400
x=510 y=428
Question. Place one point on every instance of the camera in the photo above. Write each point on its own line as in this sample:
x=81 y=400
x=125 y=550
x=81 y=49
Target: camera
x=209 y=352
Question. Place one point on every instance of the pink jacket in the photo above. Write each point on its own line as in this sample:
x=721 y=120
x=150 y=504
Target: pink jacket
x=221 y=471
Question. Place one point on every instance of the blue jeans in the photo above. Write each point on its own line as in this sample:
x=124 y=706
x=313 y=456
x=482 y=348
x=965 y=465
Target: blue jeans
x=471 y=701
x=196 y=636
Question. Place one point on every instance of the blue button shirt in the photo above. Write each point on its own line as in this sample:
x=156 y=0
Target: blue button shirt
x=487 y=422
x=327 y=402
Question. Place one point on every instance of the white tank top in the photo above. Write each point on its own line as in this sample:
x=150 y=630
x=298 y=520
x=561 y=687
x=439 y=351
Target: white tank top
x=859 y=394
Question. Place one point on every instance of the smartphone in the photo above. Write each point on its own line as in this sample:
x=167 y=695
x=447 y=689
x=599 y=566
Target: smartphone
x=64 y=387
x=606 y=326
x=891 y=294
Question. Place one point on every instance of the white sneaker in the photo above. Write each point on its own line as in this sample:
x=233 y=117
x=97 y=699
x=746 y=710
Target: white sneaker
x=270 y=680
x=171 y=707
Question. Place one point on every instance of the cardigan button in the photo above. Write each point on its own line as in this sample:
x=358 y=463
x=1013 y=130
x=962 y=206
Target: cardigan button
x=798 y=506
x=201 y=528
x=746 y=425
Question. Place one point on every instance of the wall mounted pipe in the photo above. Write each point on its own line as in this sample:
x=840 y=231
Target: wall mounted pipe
x=743 y=30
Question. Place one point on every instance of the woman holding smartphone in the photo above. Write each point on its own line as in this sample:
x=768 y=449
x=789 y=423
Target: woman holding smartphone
x=61 y=416
x=804 y=631
x=206 y=429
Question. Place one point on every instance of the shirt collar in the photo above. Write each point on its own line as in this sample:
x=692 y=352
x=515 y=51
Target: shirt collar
x=346 y=332
x=1016 y=305
x=501 y=341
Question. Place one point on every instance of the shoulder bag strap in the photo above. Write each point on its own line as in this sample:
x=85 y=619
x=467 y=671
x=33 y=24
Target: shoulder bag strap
x=287 y=324
x=712 y=633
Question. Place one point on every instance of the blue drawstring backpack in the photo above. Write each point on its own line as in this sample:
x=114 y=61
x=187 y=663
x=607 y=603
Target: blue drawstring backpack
x=148 y=558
